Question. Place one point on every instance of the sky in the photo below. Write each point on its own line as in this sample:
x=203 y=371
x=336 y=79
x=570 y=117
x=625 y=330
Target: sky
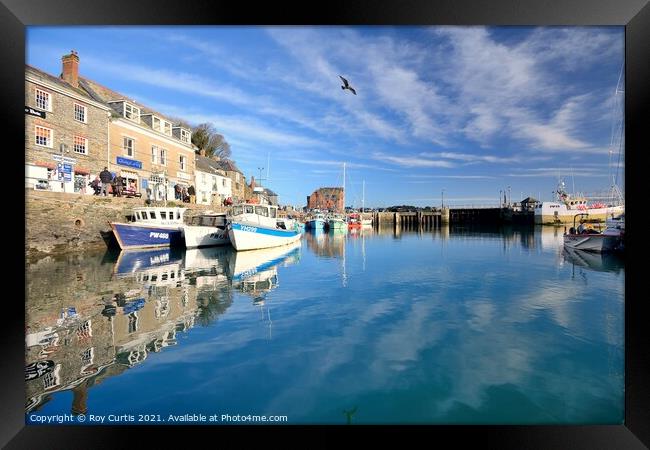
x=460 y=113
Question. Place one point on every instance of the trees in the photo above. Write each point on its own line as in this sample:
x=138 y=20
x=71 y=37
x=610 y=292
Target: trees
x=206 y=138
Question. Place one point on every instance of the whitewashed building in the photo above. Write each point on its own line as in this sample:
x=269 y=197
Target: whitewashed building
x=212 y=184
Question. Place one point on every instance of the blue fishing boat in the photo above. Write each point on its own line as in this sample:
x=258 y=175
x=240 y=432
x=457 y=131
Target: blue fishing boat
x=151 y=227
x=317 y=222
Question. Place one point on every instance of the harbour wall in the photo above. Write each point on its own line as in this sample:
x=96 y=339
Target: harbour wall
x=57 y=222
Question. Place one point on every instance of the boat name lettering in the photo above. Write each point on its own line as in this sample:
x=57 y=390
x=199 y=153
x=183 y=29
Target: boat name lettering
x=157 y=235
x=248 y=228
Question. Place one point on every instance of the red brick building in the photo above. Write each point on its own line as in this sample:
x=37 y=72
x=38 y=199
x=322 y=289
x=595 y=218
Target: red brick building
x=330 y=198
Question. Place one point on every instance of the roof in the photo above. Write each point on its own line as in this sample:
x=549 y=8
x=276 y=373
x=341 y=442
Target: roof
x=38 y=73
x=529 y=200
x=208 y=165
x=226 y=164
x=269 y=192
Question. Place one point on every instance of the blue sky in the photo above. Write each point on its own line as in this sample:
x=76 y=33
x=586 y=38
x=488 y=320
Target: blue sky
x=471 y=110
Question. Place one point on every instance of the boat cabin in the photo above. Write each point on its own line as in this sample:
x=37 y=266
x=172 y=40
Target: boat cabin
x=159 y=215
x=260 y=210
x=210 y=220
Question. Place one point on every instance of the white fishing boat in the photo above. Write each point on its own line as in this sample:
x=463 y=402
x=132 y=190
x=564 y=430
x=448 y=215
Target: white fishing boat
x=588 y=238
x=254 y=226
x=206 y=230
x=151 y=227
x=563 y=210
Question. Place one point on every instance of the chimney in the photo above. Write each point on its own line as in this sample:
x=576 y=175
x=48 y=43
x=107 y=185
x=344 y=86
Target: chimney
x=71 y=68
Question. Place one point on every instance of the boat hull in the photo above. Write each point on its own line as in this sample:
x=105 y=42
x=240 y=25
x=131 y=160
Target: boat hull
x=316 y=224
x=134 y=235
x=204 y=236
x=336 y=225
x=557 y=213
x=591 y=242
x=252 y=237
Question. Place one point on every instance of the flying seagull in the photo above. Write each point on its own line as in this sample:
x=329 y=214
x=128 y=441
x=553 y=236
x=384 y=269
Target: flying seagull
x=346 y=85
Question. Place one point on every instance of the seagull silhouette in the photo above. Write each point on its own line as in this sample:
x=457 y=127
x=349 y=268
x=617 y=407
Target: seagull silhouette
x=346 y=85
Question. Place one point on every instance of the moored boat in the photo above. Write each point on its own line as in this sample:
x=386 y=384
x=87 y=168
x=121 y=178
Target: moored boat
x=317 y=222
x=589 y=239
x=151 y=227
x=254 y=226
x=335 y=222
x=206 y=230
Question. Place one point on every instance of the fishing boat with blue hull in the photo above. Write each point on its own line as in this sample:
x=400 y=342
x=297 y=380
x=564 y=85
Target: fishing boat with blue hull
x=317 y=222
x=254 y=226
x=151 y=227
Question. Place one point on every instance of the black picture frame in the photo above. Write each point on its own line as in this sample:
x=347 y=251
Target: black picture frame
x=15 y=15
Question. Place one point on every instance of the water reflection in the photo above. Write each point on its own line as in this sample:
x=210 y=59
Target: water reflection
x=112 y=311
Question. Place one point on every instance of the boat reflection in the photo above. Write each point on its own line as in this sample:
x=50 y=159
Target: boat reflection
x=600 y=262
x=141 y=304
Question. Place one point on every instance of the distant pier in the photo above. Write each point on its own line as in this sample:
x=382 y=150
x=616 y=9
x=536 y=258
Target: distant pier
x=436 y=218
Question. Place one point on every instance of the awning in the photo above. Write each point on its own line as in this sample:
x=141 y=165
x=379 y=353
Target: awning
x=81 y=171
x=49 y=165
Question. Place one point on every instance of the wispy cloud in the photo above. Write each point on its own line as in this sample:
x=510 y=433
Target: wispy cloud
x=409 y=161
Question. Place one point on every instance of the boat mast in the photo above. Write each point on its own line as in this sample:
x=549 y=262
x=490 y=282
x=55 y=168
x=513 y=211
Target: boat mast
x=363 y=197
x=344 y=188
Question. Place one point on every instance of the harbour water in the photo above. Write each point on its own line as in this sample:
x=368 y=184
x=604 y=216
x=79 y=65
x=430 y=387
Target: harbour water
x=446 y=326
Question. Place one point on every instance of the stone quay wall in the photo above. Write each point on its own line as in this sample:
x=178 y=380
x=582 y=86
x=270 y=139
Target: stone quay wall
x=57 y=222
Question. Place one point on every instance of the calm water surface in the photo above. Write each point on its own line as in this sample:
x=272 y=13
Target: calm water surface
x=446 y=326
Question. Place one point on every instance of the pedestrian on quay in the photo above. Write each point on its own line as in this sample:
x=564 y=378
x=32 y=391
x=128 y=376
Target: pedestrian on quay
x=184 y=196
x=192 y=193
x=119 y=184
x=105 y=177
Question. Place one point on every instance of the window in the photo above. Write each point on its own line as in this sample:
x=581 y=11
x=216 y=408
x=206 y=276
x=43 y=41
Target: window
x=163 y=156
x=185 y=135
x=183 y=161
x=155 y=123
x=131 y=112
x=223 y=181
x=248 y=209
x=128 y=146
x=154 y=154
x=262 y=211
x=80 y=145
x=202 y=177
x=80 y=113
x=43 y=100
x=273 y=213
x=236 y=210
x=163 y=215
x=167 y=128
x=43 y=136
x=152 y=215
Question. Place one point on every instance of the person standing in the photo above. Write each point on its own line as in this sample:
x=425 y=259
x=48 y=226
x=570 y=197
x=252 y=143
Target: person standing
x=192 y=193
x=118 y=184
x=105 y=177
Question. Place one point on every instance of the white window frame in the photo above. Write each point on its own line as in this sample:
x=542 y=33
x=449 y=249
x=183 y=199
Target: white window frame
x=48 y=95
x=156 y=123
x=125 y=148
x=85 y=112
x=183 y=162
x=202 y=177
x=154 y=154
x=186 y=135
x=74 y=150
x=50 y=144
x=163 y=156
x=135 y=112
x=166 y=128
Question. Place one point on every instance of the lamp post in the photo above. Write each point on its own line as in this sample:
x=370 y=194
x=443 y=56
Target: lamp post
x=260 y=179
x=500 y=197
x=509 y=197
x=442 y=198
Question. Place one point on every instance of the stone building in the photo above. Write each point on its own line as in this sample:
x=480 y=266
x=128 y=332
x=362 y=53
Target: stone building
x=330 y=198
x=66 y=130
x=212 y=184
x=95 y=127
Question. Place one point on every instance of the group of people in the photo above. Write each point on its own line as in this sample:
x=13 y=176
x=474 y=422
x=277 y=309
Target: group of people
x=186 y=195
x=118 y=184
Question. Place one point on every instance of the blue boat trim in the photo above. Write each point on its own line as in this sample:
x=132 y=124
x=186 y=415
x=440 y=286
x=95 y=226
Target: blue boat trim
x=133 y=235
x=260 y=230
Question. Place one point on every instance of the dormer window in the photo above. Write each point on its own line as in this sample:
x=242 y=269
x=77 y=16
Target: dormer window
x=186 y=136
x=167 y=128
x=131 y=112
x=155 y=123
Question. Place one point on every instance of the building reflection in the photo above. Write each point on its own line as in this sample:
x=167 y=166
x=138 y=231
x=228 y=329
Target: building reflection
x=111 y=312
x=326 y=244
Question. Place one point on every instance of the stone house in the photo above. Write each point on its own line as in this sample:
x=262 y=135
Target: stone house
x=66 y=130
x=240 y=190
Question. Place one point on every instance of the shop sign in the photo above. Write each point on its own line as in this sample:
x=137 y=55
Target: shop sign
x=64 y=159
x=129 y=162
x=64 y=171
x=34 y=112
x=183 y=176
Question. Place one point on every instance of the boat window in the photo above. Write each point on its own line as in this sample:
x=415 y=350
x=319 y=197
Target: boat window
x=262 y=211
x=237 y=210
x=144 y=215
x=152 y=215
x=137 y=215
x=273 y=212
x=170 y=214
x=163 y=215
x=248 y=209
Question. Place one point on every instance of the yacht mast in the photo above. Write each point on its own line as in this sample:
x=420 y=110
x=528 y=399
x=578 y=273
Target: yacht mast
x=343 y=188
x=363 y=197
